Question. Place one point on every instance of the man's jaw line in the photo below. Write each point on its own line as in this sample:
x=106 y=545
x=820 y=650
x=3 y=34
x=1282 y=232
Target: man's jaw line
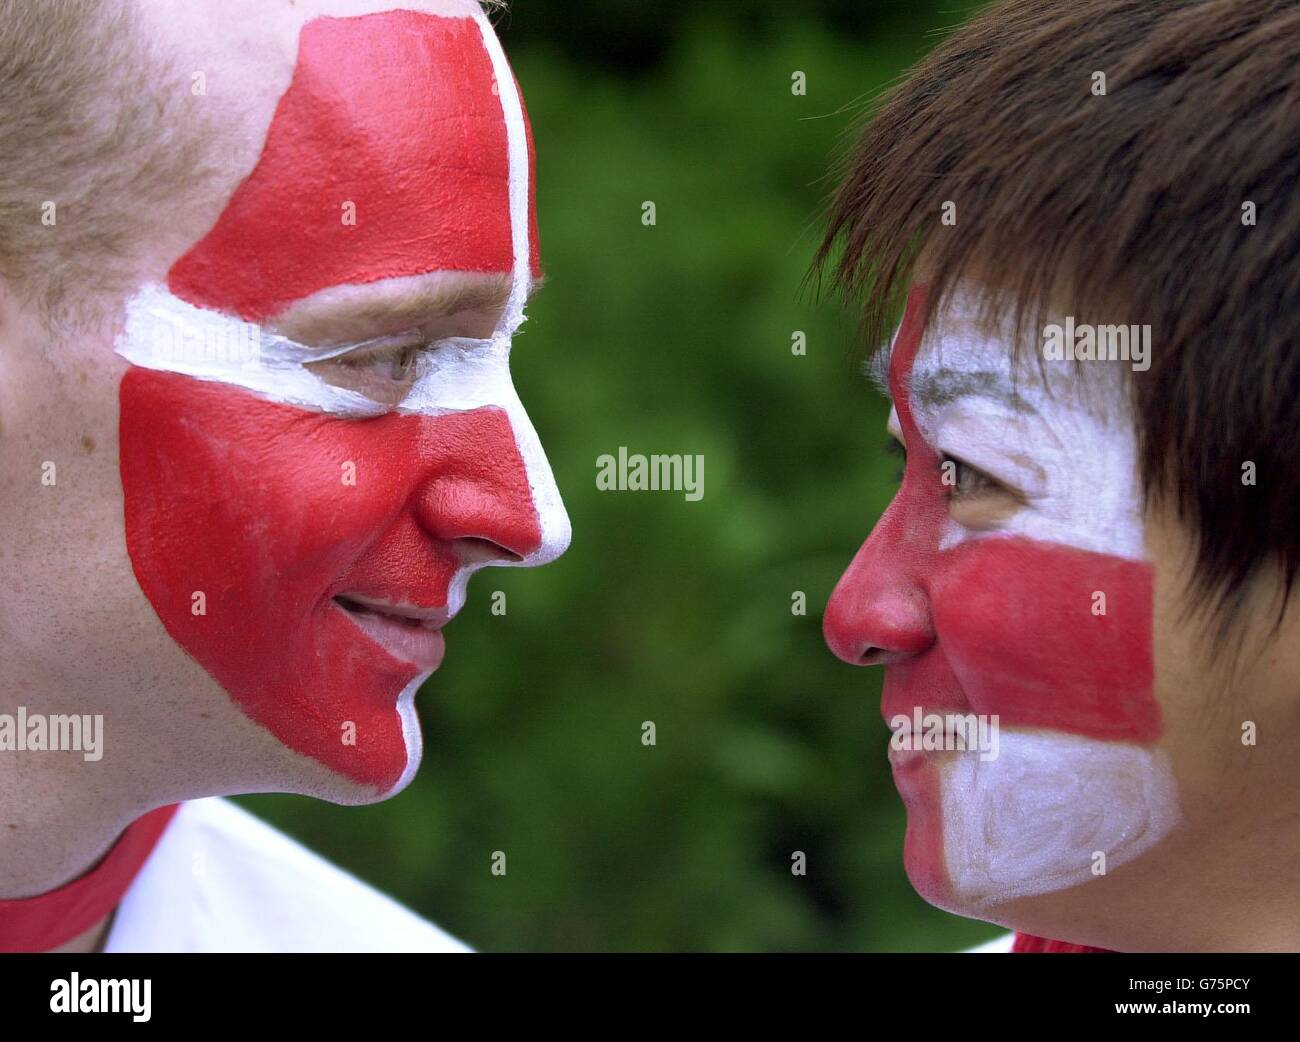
x=398 y=618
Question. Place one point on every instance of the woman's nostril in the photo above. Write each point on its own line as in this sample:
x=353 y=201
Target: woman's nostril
x=871 y=656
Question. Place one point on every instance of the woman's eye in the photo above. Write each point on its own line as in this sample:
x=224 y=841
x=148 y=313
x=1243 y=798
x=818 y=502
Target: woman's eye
x=965 y=480
x=975 y=500
x=895 y=448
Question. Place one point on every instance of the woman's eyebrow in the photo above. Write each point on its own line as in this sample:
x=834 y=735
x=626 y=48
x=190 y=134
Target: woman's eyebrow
x=936 y=387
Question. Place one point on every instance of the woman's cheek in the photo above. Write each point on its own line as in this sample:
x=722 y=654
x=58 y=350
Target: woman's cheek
x=1046 y=635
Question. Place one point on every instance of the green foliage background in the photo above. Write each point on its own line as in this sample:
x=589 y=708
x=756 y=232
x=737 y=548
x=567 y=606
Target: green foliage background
x=673 y=338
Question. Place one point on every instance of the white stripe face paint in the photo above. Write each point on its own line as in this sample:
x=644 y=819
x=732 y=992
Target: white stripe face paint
x=1075 y=464
x=1036 y=818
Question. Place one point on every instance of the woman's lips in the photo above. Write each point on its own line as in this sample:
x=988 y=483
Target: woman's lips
x=907 y=744
x=410 y=634
x=909 y=759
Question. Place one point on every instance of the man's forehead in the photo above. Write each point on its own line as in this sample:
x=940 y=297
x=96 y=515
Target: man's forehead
x=388 y=156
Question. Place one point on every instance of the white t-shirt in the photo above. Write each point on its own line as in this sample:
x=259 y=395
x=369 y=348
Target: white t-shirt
x=222 y=880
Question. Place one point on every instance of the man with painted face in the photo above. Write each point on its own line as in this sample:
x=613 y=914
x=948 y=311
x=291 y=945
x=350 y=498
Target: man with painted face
x=1089 y=214
x=260 y=267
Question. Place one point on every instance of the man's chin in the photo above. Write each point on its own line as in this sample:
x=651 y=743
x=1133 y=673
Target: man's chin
x=413 y=741
x=342 y=790
x=335 y=778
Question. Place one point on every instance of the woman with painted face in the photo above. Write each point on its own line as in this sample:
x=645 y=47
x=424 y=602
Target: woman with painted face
x=1088 y=215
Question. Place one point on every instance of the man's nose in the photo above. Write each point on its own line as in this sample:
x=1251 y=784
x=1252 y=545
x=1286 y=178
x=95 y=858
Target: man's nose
x=880 y=610
x=552 y=517
x=485 y=495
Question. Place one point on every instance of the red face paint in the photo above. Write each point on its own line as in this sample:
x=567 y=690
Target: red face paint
x=395 y=113
x=244 y=500
x=993 y=625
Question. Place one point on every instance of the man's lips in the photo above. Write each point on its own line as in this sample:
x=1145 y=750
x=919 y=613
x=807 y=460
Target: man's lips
x=407 y=632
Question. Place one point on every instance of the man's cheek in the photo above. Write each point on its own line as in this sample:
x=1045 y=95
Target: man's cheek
x=236 y=519
x=244 y=518
x=1049 y=636
x=274 y=492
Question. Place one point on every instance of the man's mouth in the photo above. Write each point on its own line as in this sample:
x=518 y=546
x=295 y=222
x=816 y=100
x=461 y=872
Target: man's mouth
x=407 y=632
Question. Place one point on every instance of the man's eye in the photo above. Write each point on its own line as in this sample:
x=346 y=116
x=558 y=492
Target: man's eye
x=403 y=362
x=382 y=373
x=395 y=363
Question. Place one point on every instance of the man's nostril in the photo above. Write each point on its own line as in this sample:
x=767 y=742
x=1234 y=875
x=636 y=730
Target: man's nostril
x=474 y=550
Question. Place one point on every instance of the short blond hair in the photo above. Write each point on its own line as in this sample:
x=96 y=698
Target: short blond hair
x=91 y=121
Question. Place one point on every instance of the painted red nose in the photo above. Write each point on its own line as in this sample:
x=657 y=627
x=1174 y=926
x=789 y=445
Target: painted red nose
x=880 y=608
x=477 y=493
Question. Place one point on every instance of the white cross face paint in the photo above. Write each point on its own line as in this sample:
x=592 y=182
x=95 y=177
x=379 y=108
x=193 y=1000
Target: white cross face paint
x=337 y=533
x=1068 y=449
x=1047 y=811
x=457 y=374
x=1022 y=592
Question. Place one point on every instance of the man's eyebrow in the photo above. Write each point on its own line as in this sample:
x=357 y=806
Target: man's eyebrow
x=428 y=302
x=352 y=312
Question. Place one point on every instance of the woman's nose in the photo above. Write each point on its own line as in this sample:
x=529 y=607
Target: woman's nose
x=880 y=609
